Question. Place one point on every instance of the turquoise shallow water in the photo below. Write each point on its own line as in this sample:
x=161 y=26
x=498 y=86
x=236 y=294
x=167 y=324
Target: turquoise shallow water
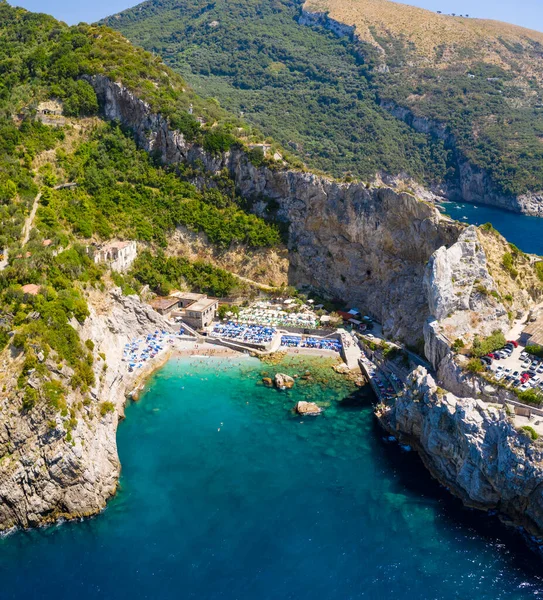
x=522 y=230
x=272 y=506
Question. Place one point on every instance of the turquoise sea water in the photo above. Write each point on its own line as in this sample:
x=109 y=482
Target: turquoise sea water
x=225 y=494
x=523 y=231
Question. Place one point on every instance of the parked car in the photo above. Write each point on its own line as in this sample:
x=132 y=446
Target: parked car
x=524 y=355
x=515 y=344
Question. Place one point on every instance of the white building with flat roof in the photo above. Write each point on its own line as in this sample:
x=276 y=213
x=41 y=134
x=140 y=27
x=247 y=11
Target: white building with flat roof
x=201 y=313
x=119 y=255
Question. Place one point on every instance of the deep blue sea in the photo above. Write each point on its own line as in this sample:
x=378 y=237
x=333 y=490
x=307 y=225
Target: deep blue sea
x=523 y=231
x=226 y=494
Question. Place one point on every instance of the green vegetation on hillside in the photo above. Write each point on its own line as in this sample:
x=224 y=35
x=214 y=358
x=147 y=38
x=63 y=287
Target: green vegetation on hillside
x=320 y=95
x=42 y=321
x=162 y=274
x=18 y=146
x=497 y=121
x=41 y=58
x=122 y=193
x=305 y=88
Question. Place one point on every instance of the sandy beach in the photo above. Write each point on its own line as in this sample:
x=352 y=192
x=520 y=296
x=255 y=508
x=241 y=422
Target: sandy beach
x=197 y=349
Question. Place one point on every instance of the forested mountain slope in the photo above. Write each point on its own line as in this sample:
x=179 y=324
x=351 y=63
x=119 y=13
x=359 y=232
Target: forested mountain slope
x=306 y=88
x=483 y=79
x=472 y=88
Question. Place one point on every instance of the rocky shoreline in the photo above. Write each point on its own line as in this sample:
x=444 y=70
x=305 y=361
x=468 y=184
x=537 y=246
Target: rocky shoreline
x=472 y=448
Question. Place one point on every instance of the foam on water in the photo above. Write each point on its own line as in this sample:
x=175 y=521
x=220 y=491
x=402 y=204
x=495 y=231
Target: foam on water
x=225 y=493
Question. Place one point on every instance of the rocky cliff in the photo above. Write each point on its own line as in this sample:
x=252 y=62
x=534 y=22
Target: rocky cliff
x=463 y=298
x=364 y=244
x=45 y=473
x=472 y=448
x=471 y=292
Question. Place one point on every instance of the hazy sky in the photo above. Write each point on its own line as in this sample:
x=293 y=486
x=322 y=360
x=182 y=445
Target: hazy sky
x=528 y=13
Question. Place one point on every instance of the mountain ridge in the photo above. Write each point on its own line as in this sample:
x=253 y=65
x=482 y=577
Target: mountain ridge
x=326 y=99
x=426 y=29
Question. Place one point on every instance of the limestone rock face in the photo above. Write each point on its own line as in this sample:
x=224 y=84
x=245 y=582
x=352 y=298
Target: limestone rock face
x=43 y=474
x=283 y=382
x=367 y=245
x=462 y=296
x=308 y=408
x=472 y=448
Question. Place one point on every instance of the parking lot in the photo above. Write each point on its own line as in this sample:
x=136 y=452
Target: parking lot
x=518 y=370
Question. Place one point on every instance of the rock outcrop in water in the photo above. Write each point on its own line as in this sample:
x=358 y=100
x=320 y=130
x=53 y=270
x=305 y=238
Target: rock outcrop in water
x=283 y=382
x=308 y=408
x=473 y=448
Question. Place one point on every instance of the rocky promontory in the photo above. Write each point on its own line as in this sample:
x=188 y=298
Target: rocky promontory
x=47 y=474
x=473 y=448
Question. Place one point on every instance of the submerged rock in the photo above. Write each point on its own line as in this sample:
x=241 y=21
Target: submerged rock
x=267 y=381
x=283 y=381
x=342 y=369
x=307 y=408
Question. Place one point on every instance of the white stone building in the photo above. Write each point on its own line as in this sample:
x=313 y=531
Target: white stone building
x=118 y=255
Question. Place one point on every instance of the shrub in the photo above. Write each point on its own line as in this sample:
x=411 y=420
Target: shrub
x=530 y=396
x=535 y=351
x=54 y=394
x=458 y=344
x=218 y=141
x=508 y=264
x=475 y=366
x=106 y=407
x=488 y=344
x=530 y=431
x=30 y=399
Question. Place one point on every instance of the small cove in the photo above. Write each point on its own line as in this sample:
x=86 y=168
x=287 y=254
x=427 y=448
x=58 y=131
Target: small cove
x=227 y=494
x=524 y=231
